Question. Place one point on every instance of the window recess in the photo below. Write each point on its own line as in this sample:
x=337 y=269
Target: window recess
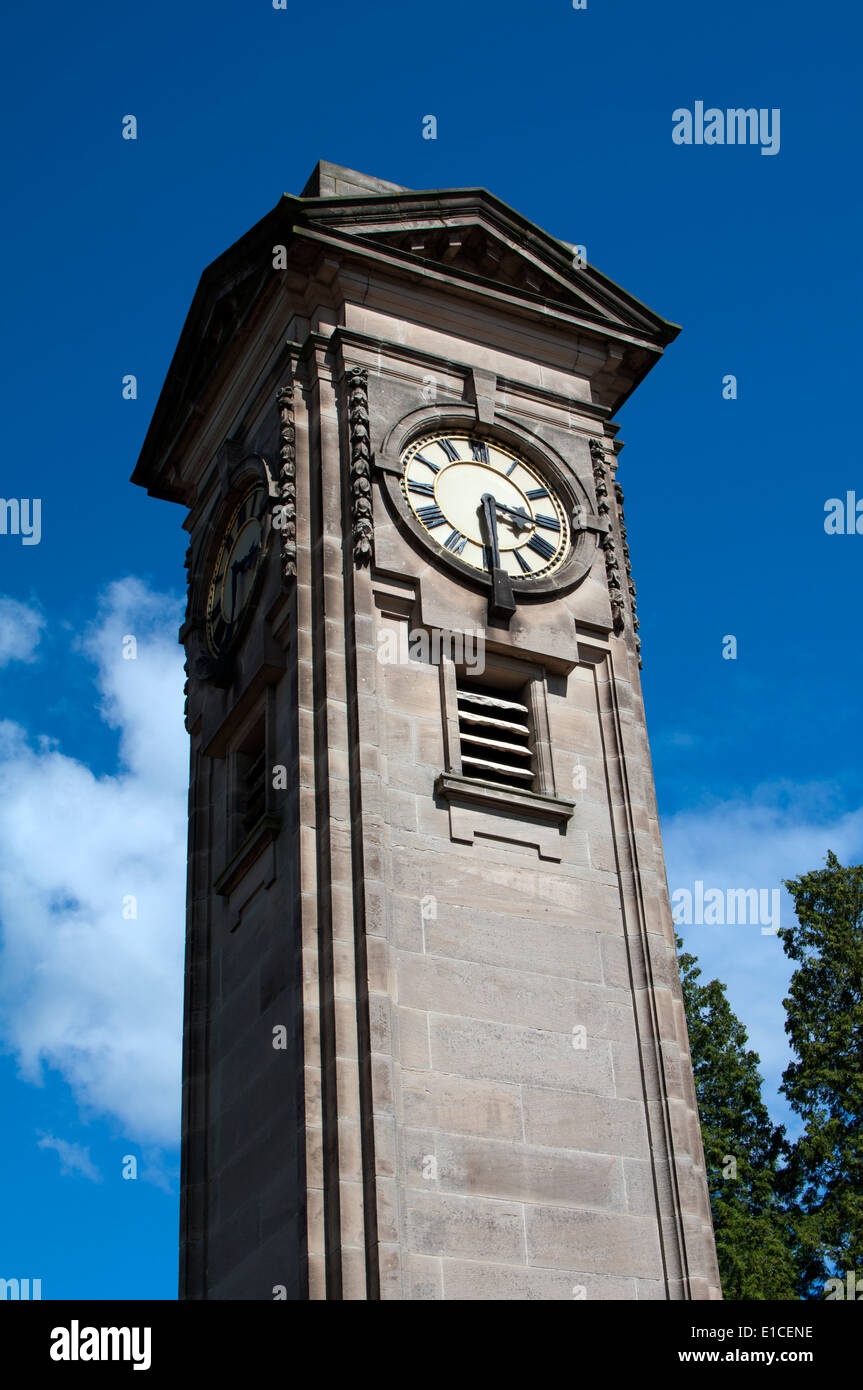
x=252 y=820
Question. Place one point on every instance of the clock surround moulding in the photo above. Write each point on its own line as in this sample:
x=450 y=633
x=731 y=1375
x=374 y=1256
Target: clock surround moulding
x=585 y=526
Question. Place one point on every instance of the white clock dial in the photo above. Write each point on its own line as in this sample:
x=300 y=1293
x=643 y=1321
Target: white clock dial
x=447 y=476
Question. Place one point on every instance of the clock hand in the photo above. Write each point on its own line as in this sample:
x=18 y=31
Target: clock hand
x=493 y=549
x=501 y=601
x=518 y=514
x=239 y=567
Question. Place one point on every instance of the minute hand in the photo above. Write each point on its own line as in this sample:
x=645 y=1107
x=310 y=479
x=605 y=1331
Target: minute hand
x=520 y=517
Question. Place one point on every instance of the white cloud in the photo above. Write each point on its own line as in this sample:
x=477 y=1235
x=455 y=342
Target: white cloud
x=74 y=1158
x=20 y=631
x=783 y=830
x=83 y=989
x=99 y=997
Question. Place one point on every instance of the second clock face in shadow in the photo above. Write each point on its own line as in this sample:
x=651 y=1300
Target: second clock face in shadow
x=236 y=568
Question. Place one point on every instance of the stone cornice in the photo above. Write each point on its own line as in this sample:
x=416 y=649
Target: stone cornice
x=571 y=315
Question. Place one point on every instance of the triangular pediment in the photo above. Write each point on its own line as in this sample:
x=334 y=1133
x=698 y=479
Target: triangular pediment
x=472 y=233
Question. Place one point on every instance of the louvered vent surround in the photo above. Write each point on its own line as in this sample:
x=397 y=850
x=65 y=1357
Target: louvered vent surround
x=495 y=736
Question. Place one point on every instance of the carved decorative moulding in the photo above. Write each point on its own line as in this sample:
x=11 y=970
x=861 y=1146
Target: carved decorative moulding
x=362 y=528
x=287 y=481
x=618 y=492
x=607 y=541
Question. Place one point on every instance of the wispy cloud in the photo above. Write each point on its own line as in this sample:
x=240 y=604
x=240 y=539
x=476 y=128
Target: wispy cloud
x=74 y=1158
x=84 y=988
x=20 y=631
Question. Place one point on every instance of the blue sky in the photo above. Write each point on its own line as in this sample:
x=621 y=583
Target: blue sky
x=566 y=115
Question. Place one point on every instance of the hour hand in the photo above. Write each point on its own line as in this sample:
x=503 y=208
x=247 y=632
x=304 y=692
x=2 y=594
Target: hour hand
x=244 y=564
x=501 y=601
x=488 y=505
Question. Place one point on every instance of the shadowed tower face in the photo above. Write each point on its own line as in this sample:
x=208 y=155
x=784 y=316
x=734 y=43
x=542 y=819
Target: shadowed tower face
x=434 y=1043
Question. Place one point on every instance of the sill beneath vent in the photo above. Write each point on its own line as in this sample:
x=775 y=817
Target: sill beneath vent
x=537 y=806
x=252 y=847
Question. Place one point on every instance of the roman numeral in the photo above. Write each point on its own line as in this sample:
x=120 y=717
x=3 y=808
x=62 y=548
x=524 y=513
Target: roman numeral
x=420 y=458
x=523 y=562
x=537 y=492
x=451 y=452
x=512 y=468
x=541 y=546
x=455 y=542
x=549 y=522
x=431 y=516
x=424 y=489
x=479 y=449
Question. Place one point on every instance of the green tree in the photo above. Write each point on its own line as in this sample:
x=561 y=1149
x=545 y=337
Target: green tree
x=742 y=1147
x=824 y=1081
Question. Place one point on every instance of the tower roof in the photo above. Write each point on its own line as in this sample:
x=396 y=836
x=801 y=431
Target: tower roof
x=464 y=241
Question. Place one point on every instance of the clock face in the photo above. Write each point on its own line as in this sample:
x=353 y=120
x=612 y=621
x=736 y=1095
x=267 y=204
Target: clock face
x=448 y=480
x=236 y=568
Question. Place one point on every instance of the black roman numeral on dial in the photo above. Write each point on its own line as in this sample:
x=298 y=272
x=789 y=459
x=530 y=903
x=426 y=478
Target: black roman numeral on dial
x=431 y=516
x=550 y=523
x=541 y=546
x=424 y=489
x=455 y=542
x=449 y=449
x=479 y=449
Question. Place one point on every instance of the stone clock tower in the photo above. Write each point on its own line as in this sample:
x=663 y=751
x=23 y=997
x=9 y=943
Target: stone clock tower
x=434 y=1043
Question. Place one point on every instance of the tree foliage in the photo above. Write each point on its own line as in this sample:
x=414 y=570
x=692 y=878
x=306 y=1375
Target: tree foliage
x=824 y=1081
x=788 y=1217
x=742 y=1147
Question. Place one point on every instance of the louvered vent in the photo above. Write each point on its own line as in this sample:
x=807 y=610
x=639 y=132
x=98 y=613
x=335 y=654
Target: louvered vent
x=255 y=792
x=251 y=785
x=494 y=733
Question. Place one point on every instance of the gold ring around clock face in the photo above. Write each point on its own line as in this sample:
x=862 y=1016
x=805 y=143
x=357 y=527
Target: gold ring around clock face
x=236 y=568
x=445 y=481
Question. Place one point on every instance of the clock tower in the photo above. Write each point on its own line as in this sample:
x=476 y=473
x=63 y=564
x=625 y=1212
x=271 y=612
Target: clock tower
x=434 y=1041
